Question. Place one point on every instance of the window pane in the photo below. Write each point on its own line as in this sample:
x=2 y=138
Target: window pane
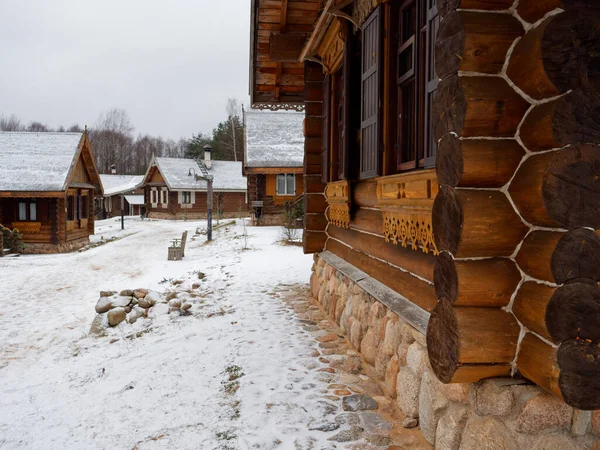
x=32 y=211
x=291 y=184
x=22 y=211
x=281 y=184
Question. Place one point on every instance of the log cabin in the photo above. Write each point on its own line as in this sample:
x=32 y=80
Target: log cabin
x=451 y=174
x=273 y=155
x=47 y=186
x=116 y=186
x=172 y=192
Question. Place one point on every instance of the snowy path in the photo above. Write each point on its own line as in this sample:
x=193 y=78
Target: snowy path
x=169 y=387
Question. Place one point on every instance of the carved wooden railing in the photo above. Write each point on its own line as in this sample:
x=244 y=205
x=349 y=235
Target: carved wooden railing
x=338 y=198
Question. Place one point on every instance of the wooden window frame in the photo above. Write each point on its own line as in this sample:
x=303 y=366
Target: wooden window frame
x=286 y=176
x=28 y=203
x=185 y=194
x=419 y=81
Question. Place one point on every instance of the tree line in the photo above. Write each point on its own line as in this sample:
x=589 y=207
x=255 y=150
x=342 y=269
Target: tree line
x=114 y=143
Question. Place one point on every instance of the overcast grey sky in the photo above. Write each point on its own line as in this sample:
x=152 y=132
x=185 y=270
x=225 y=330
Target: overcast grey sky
x=171 y=64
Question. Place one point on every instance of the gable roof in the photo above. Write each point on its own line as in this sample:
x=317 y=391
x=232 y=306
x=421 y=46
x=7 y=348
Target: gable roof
x=34 y=162
x=117 y=184
x=227 y=175
x=273 y=139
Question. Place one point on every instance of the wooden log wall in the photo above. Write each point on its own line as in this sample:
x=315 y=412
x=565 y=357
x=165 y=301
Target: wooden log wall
x=517 y=118
x=314 y=235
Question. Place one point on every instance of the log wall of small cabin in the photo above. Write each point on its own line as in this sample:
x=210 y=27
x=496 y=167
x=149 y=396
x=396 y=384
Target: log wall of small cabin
x=232 y=203
x=8 y=218
x=518 y=163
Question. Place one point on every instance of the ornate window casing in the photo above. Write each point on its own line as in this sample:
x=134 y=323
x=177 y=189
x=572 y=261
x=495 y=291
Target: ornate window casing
x=406 y=203
x=331 y=49
x=338 y=198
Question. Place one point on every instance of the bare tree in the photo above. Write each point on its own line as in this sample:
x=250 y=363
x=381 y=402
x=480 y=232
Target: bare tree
x=38 y=127
x=232 y=109
x=74 y=129
x=112 y=138
x=11 y=123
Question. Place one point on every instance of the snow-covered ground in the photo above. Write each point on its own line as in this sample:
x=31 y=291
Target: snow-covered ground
x=173 y=385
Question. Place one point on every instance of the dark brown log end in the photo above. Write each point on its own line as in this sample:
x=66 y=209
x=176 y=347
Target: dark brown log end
x=579 y=380
x=443 y=344
x=449 y=161
x=445 y=277
x=577 y=118
x=489 y=163
x=574 y=312
x=449 y=107
x=571 y=187
x=571 y=49
x=577 y=255
x=447 y=220
x=474 y=42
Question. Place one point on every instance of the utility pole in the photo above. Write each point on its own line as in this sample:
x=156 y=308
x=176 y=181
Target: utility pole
x=122 y=212
x=209 y=204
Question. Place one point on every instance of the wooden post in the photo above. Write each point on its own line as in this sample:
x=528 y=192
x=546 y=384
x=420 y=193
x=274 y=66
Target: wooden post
x=122 y=212
x=209 y=205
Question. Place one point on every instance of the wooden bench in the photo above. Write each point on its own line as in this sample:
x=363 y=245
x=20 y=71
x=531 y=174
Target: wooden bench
x=177 y=248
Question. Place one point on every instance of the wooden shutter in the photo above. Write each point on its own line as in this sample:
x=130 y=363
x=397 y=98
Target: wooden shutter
x=370 y=134
x=345 y=102
x=326 y=127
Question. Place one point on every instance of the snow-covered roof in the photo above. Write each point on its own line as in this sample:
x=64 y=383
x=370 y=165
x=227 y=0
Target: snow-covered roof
x=135 y=199
x=227 y=175
x=274 y=139
x=36 y=161
x=117 y=184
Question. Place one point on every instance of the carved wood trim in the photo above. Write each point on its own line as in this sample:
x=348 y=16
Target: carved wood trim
x=406 y=203
x=27 y=227
x=331 y=49
x=338 y=198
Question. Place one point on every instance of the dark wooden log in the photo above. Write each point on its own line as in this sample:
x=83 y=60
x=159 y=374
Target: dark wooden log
x=579 y=380
x=571 y=119
x=475 y=223
x=530 y=306
x=414 y=289
x=574 y=312
x=458 y=337
x=286 y=47
x=315 y=222
x=534 y=10
x=482 y=283
x=446 y=6
x=537 y=362
x=536 y=252
x=478 y=163
x=416 y=262
x=314 y=203
x=571 y=187
x=369 y=220
x=559 y=55
x=526 y=190
x=477 y=106
x=313 y=184
x=313 y=241
x=577 y=255
x=474 y=42
x=364 y=193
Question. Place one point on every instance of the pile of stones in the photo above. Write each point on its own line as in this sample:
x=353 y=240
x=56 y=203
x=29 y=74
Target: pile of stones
x=128 y=306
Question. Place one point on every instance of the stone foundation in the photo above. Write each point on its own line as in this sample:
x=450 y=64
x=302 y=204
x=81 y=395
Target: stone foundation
x=44 y=249
x=270 y=220
x=492 y=414
x=192 y=216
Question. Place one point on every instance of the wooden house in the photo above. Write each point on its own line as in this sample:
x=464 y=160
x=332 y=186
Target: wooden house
x=129 y=187
x=172 y=192
x=273 y=155
x=451 y=170
x=47 y=187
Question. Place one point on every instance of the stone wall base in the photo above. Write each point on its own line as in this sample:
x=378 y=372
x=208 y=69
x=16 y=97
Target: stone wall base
x=492 y=414
x=192 y=216
x=65 y=247
x=269 y=220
